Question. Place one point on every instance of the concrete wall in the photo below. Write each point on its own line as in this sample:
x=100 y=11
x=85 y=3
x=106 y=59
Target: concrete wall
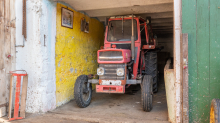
x=76 y=52
x=167 y=43
x=38 y=60
x=166 y=40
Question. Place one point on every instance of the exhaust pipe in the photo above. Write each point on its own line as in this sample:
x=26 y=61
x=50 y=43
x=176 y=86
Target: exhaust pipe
x=132 y=38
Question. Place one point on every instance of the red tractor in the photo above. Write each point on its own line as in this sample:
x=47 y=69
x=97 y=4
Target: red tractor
x=128 y=57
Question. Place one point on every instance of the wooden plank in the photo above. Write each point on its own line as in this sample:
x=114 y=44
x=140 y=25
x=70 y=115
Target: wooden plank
x=5 y=49
x=2 y=61
x=24 y=31
x=2 y=34
x=10 y=97
x=203 y=55
x=23 y=96
x=7 y=46
x=185 y=78
x=189 y=26
x=13 y=33
x=214 y=49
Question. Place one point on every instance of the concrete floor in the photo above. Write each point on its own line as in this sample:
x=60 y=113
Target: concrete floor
x=106 y=108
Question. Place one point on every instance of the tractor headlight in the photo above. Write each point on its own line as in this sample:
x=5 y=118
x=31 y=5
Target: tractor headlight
x=120 y=71
x=100 y=71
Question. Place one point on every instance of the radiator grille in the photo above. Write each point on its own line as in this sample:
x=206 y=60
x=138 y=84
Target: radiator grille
x=110 y=71
x=110 y=56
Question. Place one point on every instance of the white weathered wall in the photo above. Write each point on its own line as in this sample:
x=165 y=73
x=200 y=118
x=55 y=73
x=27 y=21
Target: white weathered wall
x=35 y=57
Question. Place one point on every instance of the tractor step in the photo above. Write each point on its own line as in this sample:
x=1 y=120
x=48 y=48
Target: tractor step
x=110 y=89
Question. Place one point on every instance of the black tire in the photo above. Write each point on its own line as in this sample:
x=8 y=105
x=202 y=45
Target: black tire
x=215 y=111
x=82 y=95
x=147 y=93
x=151 y=68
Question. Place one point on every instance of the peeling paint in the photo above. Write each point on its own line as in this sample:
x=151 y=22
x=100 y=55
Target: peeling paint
x=77 y=50
x=34 y=57
x=71 y=70
x=59 y=62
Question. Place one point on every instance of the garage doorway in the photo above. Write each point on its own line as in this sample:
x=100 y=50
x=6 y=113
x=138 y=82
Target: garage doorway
x=162 y=26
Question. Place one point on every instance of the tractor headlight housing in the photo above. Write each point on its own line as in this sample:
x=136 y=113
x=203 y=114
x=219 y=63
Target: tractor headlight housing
x=100 y=71
x=120 y=71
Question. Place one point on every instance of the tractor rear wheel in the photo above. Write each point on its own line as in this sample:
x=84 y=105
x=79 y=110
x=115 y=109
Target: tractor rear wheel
x=151 y=68
x=147 y=93
x=82 y=91
x=215 y=111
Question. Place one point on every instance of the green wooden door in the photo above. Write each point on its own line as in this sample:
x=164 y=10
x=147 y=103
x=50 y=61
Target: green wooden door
x=201 y=20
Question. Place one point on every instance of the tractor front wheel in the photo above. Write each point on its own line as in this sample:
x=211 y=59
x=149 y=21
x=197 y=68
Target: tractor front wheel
x=215 y=111
x=147 y=93
x=82 y=91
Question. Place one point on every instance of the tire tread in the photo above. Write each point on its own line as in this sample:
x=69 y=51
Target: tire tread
x=151 y=68
x=77 y=91
x=146 y=93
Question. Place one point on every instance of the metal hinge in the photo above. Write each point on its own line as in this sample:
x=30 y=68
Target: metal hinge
x=4 y=105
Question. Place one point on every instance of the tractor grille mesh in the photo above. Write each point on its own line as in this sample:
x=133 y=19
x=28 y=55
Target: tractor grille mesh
x=110 y=56
x=110 y=71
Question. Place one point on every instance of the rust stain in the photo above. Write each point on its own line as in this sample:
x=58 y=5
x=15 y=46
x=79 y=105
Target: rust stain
x=3 y=95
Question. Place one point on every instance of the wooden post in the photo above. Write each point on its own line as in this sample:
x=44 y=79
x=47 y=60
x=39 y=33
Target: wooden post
x=23 y=96
x=2 y=59
x=185 y=78
x=7 y=49
x=13 y=33
x=10 y=97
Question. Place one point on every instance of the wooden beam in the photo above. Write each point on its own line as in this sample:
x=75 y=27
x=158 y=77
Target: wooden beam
x=129 y=10
x=162 y=20
x=2 y=57
x=162 y=24
x=185 y=78
x=162 y=27
x=24 y=31
x=23 y=96
x=165 y=35
x=13 y=33
x=160 y=33
x=10 y=97
x=2 y=34
x=83 y=5
x=159 y=15
x=162 y=30
x=13 y=51
x=7 y=46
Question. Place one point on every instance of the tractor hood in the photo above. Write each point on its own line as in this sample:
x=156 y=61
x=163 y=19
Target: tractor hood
x=114 y=56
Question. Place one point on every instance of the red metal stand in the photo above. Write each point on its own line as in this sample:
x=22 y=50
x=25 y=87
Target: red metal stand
x=17 y=94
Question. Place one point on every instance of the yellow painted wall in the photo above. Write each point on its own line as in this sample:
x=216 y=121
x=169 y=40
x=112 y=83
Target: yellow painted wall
x=76 y=53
